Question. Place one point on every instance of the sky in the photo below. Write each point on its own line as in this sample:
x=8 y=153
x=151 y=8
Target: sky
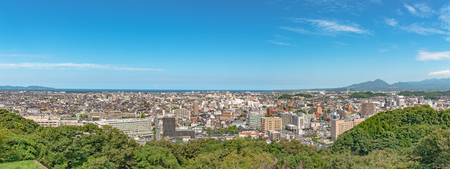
x=221 y=45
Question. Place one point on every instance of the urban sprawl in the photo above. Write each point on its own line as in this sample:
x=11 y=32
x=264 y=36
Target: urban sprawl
x=312 y=117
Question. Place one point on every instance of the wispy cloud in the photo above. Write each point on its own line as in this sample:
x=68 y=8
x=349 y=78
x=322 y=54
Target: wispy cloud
x=438 y=73
x=81 y=66
x=444 y=13
x=22 y=55
x=326 y=27
x=419 y=29
x=333 y=26
x=391 y=21
x=423 y=56
x=280 y=43
x=420 y=9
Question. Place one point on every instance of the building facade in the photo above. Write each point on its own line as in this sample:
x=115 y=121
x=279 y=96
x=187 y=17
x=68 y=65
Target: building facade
x=131 y=127
x=254 y=119
x=367 y=109
x=183 y=114
x=54 y=121
x=286 y=117
x=340 y=126
x=271 y=123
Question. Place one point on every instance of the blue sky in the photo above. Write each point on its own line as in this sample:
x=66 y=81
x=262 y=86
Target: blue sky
x=208 y=44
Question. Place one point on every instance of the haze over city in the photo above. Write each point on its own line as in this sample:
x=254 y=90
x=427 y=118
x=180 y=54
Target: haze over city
x=222 y=45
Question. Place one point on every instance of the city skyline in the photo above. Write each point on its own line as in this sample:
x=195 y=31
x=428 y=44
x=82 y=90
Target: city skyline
x=259 y=45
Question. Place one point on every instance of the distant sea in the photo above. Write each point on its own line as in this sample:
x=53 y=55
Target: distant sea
x=133 y=90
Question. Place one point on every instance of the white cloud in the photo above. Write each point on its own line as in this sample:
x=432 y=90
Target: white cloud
x=410 y=9
x=333 y=26
x=417 y=28
x=420 y=9
x=70 y=66
x=279 y=43
x=445 y=17
x=391 y=21
x=422 y=55
x=437 y=73
x=326 y=27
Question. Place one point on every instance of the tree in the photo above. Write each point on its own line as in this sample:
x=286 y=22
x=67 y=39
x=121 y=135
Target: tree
x=98 y=163
x=434 y=149
x=155 y=157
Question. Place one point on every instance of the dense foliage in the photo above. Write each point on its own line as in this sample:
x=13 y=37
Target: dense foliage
x=418 y=131
x=410 y=131
x=288 y=96
x=427 y=95
x=366 y=95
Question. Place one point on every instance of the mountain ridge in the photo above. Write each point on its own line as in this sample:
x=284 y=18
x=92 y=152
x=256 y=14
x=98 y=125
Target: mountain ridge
x=434 y=84
x=32 y=87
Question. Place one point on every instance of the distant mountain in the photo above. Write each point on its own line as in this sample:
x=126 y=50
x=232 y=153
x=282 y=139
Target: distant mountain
x=25 y=88
x=370 y=85
x=380 y=85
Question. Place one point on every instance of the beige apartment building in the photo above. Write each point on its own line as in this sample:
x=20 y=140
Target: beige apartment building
x=271 y=123
x=54 y=121
x=340 y=126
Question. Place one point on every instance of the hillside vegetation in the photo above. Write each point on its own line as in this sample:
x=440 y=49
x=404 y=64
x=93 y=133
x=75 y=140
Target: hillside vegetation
x=288 y=96
x=366 y=95
x=420 y=133
x=21 y=165
x=425 y=145
x=436 y=95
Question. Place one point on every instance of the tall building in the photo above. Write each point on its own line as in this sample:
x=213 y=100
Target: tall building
x=340 y=126
x=169 y=130
x=254 y=119
x=367 y=109
x=298 y=120
x=271 y=123
x=286 y=118
x=168 y=126
x=195 y=107
x=278 y=102
x=183 y=113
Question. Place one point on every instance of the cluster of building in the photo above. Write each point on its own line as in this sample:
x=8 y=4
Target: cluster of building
x=182 y=116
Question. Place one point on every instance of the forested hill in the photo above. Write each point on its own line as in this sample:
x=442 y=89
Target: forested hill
x=436 y=95
x=108 y=148
x=420 y=133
